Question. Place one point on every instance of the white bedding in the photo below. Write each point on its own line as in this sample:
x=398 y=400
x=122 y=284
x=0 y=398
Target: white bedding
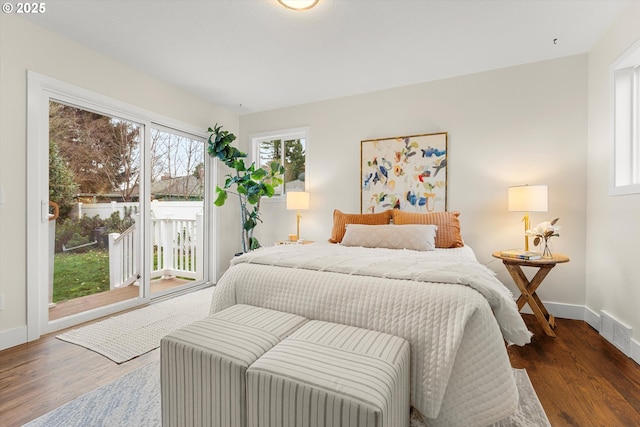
x=442 y=302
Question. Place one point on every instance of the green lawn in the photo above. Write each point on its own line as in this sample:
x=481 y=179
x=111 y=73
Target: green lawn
x=79 y=274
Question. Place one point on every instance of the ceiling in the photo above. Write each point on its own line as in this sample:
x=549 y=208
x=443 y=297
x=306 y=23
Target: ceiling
x=255 y=55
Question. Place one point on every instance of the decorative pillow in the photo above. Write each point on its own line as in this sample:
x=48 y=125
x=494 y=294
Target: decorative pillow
x=340 y=220
x=413 y=236
x=448 y=235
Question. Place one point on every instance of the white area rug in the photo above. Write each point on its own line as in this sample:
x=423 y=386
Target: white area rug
x=123 y=337
x=134 y=400
x=529 y=414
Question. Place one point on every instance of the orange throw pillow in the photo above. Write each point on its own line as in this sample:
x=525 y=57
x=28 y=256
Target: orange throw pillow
x=340 y=221
x=448 y=234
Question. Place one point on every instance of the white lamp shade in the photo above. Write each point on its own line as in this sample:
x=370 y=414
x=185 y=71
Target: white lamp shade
x=297 y=200
x=528 y=198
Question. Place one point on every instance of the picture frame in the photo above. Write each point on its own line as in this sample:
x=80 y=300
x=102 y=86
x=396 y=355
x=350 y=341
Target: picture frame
x=404 y=172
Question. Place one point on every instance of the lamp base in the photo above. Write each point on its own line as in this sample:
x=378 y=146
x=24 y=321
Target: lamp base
x=526 y=228
x=298 y=216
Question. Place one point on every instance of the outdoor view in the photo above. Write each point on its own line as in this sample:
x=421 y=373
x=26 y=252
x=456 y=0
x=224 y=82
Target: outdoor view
x=291 y=154
x=95 y=181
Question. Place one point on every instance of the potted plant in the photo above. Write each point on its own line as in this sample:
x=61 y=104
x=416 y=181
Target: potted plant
x=248 y=183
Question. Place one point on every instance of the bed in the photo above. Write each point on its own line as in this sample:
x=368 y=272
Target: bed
x=453 y=311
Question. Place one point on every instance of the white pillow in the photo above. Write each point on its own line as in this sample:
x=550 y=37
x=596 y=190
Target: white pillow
x=417 y=237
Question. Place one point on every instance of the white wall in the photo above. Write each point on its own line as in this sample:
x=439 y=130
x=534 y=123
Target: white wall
x=25 y=46
x=525 y=124
x=613 y=222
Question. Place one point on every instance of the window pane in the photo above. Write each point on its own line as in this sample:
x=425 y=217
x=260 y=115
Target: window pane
x=269 y=151
x=623 y=126
x=177 y=166
x=624 y=174
x=295 y=165
x=177 y=194
x=94 y=182
x=288 y=148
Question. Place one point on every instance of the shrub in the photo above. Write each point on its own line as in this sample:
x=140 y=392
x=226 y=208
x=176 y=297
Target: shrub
x=73 y=232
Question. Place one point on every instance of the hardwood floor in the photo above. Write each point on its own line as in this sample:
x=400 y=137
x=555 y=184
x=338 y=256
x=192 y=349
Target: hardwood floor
x=39 y=376
x=580 y=378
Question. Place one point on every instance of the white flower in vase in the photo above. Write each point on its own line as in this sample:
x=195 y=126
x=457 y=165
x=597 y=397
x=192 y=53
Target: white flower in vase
x=542 y=233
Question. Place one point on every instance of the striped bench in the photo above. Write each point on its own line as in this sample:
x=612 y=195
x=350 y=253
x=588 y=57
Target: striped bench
x=203 y=365
x=330 y=375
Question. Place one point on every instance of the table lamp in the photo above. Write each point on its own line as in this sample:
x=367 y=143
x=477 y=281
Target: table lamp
x=297 y=200
x=527 y=198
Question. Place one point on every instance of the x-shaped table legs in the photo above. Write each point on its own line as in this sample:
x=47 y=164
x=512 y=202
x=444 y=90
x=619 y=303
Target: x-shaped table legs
x=529 y=296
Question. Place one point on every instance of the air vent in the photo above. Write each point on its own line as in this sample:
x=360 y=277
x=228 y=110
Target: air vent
x=615 y=332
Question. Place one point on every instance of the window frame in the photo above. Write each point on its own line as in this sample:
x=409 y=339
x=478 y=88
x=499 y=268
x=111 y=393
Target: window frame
x=624 y=156
x=283 y=134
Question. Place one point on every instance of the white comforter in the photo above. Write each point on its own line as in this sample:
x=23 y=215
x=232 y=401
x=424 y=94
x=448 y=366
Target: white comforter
x=443 y=302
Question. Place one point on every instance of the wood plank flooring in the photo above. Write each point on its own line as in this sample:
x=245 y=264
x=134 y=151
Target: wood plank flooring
x=89 y=302
x=580 y=378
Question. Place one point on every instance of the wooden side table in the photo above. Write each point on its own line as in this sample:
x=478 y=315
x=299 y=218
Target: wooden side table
x=528 y=288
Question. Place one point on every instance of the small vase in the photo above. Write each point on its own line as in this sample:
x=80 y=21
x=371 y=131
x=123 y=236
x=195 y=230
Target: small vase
x=545 y=249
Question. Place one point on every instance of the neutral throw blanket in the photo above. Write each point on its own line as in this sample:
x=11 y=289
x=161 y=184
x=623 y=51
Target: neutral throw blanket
x=454 y=266
x=460 y=371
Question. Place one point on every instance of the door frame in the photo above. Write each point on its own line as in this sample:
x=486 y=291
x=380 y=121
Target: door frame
x=40 y=89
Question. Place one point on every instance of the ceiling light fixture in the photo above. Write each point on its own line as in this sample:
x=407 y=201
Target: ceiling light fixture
x=298 y=4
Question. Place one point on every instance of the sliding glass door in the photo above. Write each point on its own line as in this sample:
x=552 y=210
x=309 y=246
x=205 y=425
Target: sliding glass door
x=117 y=207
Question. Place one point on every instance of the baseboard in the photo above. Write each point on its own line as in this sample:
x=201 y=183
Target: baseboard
x=592 y=318
x=13 y=337
x=635 y=351
x=562 y=311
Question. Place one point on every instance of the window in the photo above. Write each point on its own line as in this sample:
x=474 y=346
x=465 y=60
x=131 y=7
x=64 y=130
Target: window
x=289 y=148
x=625 y=168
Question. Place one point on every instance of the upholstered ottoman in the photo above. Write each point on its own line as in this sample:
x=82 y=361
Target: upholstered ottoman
x=331 y=375
x=203 y=365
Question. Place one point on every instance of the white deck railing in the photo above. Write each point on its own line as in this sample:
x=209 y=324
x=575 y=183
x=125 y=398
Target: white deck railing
x=175 y=249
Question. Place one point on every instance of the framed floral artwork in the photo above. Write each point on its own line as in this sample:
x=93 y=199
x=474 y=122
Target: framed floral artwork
x=405 y=172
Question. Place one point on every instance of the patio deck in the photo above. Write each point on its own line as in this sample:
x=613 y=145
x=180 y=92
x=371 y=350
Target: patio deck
x=78 y=305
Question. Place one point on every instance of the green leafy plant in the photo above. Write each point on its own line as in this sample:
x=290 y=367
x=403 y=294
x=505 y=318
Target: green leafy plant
x=248 y=183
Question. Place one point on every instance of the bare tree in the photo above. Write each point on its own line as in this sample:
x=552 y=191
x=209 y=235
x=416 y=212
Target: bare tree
x=175 y=160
